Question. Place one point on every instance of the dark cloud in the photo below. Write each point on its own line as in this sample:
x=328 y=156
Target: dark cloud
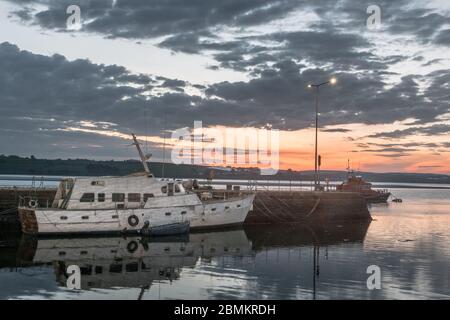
x=406 y=144
x=149 y=19
x=280 y=92
x=420 y=22
x=443 y=37
x=340 y=130
x=42 y=87
x=192 y=27
x=42 y=97
x=280 y=64
x=437 y=129
x=393 y=155
x=431 y=62
x=396 y=150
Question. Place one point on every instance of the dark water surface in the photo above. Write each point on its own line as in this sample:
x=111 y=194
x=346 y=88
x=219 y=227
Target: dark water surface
x=409 y=241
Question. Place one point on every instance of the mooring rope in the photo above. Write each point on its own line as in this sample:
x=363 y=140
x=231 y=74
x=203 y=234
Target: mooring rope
x=292 y=216
x=271 y=213
x=262 y=212
x=7 y=211
x=314 y=208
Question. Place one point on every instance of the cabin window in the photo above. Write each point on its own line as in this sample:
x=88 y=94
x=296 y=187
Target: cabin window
x=177 y=188
x=115 y=216
x=98 y=183
x=86 y=270
x=164 y=189
x=132 y=267
x=115 y=268
x=118 y=197
x=87 y=197
x=227 y=207
x=63 y=218
x=85 y=217
x=213 y=209
x=183 y=212
x=238 y=206
x=101 y=197
x=168 y=213
x=148 y=195
x=134 y=197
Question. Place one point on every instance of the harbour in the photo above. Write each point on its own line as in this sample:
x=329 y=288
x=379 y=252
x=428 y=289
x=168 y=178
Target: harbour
x=321 y=257
x=205 y=150
x=292 y=261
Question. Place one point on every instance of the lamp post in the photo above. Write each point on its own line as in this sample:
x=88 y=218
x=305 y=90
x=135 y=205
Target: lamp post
x=317 y=86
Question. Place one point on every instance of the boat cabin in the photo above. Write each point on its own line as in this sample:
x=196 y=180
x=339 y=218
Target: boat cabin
x=133 y=191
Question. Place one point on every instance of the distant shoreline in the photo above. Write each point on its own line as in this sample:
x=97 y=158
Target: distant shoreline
x=222 y=182
x=31 y=166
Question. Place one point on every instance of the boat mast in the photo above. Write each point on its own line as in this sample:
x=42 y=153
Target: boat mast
x=348 y=168
x=141 y=154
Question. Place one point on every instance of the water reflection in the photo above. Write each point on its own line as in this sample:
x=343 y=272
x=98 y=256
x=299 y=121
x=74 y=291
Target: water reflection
x=411 y=245
x=134 y=262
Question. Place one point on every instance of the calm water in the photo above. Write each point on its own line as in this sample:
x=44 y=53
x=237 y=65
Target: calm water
x=409 y=241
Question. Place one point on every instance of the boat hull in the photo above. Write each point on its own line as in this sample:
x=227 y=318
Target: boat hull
x=168 y=230
x=377 y=198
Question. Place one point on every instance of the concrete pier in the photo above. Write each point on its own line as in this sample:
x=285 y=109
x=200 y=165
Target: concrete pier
x=9 y=200
x=298 y=206
x=9 y=197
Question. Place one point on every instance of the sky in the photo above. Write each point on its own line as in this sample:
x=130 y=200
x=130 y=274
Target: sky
x=153 y=67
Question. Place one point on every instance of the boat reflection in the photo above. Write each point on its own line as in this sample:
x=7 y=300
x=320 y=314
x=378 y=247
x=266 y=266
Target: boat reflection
x=130 y=262
x=136 y=262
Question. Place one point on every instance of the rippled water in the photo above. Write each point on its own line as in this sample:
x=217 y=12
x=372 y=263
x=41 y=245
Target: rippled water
x=409 y=241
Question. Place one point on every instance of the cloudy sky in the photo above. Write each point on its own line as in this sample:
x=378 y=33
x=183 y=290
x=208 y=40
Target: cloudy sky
x=144 y=66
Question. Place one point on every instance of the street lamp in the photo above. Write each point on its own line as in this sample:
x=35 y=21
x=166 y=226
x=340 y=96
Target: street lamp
x=317 y=86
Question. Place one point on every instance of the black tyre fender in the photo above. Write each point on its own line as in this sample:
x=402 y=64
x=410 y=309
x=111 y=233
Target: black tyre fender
x=132 y=246
x=133 y=220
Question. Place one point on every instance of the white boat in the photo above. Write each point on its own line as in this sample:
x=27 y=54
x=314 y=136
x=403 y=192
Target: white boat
x=131 y=203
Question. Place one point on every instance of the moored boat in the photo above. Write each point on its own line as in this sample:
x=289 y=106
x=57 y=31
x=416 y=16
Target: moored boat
x=357 y=184
x=135 y=203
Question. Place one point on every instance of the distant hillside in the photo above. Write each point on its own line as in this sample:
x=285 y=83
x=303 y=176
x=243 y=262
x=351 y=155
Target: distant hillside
x=83 y=167
x=387 y=176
